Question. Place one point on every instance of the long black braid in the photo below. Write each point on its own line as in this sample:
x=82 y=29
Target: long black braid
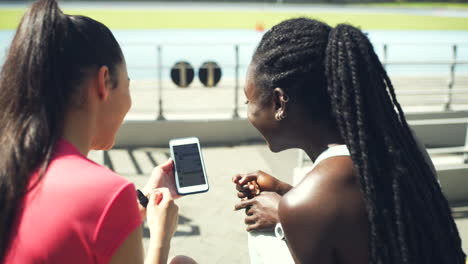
x=336 y=72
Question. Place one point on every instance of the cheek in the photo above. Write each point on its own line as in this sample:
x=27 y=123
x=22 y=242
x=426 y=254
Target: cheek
x=128 y=101
x=259 y=118
x=254 y=115
x=250 y=114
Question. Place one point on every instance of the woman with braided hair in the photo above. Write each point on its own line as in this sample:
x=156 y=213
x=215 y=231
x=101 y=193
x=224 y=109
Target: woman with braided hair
x=372 y=196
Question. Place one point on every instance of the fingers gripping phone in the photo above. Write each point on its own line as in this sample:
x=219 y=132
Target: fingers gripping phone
x=189 y=168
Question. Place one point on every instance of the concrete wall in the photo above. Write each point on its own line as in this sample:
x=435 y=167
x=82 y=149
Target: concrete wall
x=436 y=115
x=239 y=131
x=454 y=182
x=212 y=132
x=437 y=130
x=439 y=135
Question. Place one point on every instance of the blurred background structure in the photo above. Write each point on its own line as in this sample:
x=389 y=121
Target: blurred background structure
x=188 y=61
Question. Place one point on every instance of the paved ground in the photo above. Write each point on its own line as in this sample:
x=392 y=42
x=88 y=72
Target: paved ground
x=209 y=230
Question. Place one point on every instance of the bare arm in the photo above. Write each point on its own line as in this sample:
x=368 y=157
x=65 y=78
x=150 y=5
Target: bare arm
x=316 y=212
x=162 y=217
x=308 y=227
x=131 y=250
x=157 y=253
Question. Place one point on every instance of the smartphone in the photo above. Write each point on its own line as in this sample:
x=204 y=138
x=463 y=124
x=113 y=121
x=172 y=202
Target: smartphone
x=189 y=168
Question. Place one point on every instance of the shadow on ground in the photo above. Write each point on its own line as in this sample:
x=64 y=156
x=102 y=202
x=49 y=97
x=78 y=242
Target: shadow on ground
x=141 y=159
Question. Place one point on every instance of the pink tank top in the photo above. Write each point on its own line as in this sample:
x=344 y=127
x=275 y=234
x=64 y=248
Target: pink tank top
x=80 y=212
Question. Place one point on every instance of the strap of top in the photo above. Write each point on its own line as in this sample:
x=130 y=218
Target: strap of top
x=335 y=151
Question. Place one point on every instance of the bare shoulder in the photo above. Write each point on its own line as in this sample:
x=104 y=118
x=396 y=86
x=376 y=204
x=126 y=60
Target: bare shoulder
x=324 y=187
x=314 y=213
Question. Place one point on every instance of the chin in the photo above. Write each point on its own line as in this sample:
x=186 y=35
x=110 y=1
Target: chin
x=107 y=147
x=274 y=148
x=103 y=145
x=271 y=145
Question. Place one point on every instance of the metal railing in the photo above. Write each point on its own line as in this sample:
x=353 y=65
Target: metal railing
x=452 y=64
x=161 y=66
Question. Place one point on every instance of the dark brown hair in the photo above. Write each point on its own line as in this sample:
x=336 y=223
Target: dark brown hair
x=50 y=55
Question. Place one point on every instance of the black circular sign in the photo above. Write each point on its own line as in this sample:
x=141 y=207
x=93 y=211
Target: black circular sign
x=209 y=74
x=182 y=74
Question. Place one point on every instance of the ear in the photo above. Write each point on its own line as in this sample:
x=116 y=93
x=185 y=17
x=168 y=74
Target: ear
x=103 y=83
x=280 y=99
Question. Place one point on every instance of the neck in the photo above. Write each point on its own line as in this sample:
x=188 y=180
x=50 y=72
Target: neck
x=78 y=131
x=317 y=137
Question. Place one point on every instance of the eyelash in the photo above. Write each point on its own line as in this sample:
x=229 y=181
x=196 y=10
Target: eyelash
x=246 y=102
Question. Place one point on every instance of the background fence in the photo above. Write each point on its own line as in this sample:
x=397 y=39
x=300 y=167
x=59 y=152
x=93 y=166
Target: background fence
x=441 y=85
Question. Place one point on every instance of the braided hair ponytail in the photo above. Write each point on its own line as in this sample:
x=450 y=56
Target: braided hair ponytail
x=336 y=73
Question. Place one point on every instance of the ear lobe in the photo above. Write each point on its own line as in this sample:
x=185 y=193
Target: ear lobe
x=280 y=99
x=103 y=80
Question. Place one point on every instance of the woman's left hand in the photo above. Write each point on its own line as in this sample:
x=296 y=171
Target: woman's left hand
x=261 y=211
x=162 y=176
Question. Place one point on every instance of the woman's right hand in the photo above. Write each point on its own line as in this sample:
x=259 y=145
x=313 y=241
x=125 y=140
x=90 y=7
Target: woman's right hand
x=162 y=216
x=251 y=184
x=162 y=176
x=261 y=211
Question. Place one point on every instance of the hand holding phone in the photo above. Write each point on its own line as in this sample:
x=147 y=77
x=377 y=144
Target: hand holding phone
x=162 y=176
x=189 y=168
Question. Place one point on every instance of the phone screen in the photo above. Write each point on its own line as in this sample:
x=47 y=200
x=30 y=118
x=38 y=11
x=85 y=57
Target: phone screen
x=188 y=165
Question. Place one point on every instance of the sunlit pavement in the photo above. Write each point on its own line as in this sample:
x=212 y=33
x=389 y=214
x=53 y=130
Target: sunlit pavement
x=209 y=229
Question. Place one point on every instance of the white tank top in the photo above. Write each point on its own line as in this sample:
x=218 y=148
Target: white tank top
x=334 y=151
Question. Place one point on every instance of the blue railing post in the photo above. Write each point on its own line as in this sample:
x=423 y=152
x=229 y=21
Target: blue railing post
x=385 y=56
x=465 y=151
x=160 y=84
x=448 y=102
x=235 y=115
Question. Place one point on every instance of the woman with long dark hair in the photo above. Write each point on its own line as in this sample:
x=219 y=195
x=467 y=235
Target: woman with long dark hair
x=371 y=197
x=64 y=90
